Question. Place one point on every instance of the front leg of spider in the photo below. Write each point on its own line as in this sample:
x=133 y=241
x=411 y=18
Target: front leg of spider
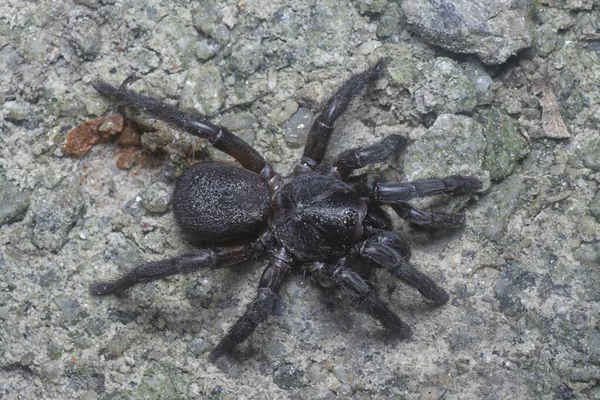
x=321 y=221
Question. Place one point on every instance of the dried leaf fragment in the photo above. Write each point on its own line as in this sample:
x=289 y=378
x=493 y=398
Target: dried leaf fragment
x=552 y=122
x=81 y=138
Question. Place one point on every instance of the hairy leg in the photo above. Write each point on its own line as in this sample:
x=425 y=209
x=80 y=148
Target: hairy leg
x=357 y=288
x=193 y=123
x=182 y=264
x=354 y=159
x=322 y=127
x=386 y=251
x=428 y=219
x=260 y=308
x=394 y=193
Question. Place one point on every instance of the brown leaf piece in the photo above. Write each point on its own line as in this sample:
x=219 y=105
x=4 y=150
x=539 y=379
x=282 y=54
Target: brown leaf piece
x=552 y=122
x=81 y=138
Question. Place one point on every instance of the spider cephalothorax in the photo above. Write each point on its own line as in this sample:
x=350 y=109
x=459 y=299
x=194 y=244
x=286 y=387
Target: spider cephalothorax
x=322 y=221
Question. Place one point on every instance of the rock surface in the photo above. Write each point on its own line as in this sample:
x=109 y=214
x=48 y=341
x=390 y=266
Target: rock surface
x=492 y=30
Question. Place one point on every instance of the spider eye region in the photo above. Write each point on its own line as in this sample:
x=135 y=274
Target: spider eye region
x=350 y=217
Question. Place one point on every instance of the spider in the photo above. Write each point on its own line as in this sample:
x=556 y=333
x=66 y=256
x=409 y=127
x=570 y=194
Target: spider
x=322 y=222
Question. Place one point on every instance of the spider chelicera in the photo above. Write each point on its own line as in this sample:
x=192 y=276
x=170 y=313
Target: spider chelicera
x=324 y=221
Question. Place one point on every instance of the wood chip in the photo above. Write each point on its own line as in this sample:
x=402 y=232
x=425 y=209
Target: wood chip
x=552 y=122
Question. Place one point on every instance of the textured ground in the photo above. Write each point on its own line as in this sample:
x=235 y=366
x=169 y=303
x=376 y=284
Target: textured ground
x=523 y=275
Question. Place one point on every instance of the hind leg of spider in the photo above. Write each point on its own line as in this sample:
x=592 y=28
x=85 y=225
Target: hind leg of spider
x=182 y=264
x=428 y=219
x=260 y=308
x=360 y=290
x=385 y=251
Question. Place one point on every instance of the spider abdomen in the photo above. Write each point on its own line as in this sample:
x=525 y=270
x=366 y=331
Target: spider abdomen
x=220 y=202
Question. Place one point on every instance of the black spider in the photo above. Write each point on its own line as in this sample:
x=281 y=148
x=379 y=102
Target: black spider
x=323 y=221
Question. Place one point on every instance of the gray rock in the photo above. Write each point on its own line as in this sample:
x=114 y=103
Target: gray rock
x=203 y=90
x=504 y=199
x=453 y=145
x=86 y=38
x=505 y=144
x=392 y=21
x=239 y=121
x=493 y=30
x=13 y=202
x=545 y=40
x=145 y=58
x=594 y=206
x=588 y=254
x=54 y=216
x=245 y=59
x=84 y=377
x=288 y=376
x=444 y=88
x=207 y=20
x=401 y=67
x=477 y=74
x=17 y=110
x=122 y=251
x=156 y=197
x=591 y=155
x=69 y=307
x=593 y=346
x=510 y=286
x=198 y=347
x=117 y=345
x=296 y=129
x=571 y=4
x=370 y=6
x=206 y=49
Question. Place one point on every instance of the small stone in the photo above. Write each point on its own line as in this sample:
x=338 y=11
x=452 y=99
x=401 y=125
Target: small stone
x=207 y=20
x=591 y=155
x=203 y=90
x=116 y=346
x=156 y=197
x=198 y=347
x=69 y=307
x=444 y=88
x=237 y=122
x=505 y=144
x=13 y=202
x=17 y=110
x=313 y=92
x=297 y=128
x=206 y=49
x=392 y=21
x=54 y=215
x=288 y=376
x=370 y=6
x=86 y=38
x=454 y=144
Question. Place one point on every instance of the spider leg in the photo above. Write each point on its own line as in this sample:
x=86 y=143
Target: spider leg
x=182 y=264
x=428 y=219
x=195 y=124
x=258 y=310
x=387 y=250
x=395 y=193
x=353 y=159
x=357 y=288
x=322 y=127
